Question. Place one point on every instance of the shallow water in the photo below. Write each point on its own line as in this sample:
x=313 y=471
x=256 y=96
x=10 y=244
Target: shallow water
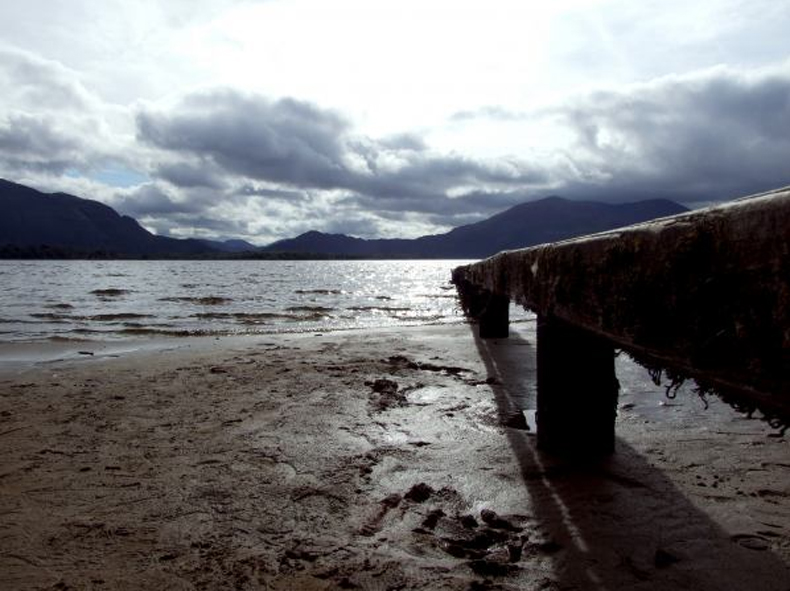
x=118 y=300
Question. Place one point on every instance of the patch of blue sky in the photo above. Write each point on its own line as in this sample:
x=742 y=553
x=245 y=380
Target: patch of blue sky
x=115 y=176
x=119 y=176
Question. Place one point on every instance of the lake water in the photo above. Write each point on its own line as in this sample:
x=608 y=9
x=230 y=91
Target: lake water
x=121 y=300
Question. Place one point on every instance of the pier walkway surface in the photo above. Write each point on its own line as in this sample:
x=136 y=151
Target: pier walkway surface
x=702 y=295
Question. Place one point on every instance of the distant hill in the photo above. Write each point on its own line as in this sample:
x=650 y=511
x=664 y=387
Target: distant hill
x=40 y=225
x=536 y=222
x=234 y=245
x=36 y=222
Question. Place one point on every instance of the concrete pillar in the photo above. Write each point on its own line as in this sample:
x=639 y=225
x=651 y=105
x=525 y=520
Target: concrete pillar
x=472 y=299
x=490 y=310
x=577 y=390
x=494 y=318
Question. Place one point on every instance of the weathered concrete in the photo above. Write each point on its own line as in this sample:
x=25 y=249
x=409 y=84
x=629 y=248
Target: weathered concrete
x=704 y=294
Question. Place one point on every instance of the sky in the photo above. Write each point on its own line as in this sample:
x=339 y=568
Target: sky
x=263 y=119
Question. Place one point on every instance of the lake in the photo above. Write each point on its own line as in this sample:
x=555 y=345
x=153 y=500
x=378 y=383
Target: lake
x=121 y=300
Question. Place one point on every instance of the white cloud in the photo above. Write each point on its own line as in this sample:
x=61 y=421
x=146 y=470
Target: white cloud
x=51 y=123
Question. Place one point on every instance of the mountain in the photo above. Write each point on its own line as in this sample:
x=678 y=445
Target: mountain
x=340 y=244
x=36 y=224
x=536 y=222
x=233 y=245
x=32 y=221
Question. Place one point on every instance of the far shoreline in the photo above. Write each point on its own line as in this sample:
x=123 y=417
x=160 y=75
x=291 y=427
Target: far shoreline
x=63 y=254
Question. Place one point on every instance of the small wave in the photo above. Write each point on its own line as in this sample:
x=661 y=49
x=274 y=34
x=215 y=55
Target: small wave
x=252 y=320
x=17 y=321
x=83 y=330
x=213 y=315
x=62 y=339
x=139 y=325
x=114 y=317
x=147 y=330
x=319 y=291
x=135 y=330
x=312 y=317
x=189 y=285
x=203 y=301
x=429 y=318
x=60 y=306
x=244 y=317
x=109 y=293
x=318 y=309
x=150 y=331
x=52 y=317
x=260 y=318
x=377 y=309
x=382 y=297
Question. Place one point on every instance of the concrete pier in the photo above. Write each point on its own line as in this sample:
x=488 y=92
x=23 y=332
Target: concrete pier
x=704 y=295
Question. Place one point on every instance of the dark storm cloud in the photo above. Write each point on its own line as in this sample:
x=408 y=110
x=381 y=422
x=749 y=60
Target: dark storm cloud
x=696 y=138
x=166 y=211
x=434 y=175
x=708 y=136
x=714 y=137
x=209 y=226
x=35 y=143
x=441 y=210
x=352 y=224
x=213 y=224
x=151 y=200
x=284 y=141
x=250 y=190
x=188 y=175
x=305 y=147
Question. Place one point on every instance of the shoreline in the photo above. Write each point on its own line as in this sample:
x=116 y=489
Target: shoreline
x=373 y=458
x=24 y=355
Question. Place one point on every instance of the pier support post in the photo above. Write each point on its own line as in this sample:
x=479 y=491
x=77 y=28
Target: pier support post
x=491 y=311
x=577 y=390
x=494 y=319
x=472 y=298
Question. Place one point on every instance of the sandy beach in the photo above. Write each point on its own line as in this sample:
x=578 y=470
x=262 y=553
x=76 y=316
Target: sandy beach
x=378 y=459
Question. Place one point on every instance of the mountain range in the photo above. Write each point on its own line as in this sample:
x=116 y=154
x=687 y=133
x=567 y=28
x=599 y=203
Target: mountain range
x=36 y=224
x=527 y=224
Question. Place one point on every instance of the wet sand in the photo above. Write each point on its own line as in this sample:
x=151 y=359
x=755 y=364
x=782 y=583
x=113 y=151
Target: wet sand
x=390 y=459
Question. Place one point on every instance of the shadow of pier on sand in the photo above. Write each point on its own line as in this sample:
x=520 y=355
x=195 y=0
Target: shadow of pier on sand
x=618 y=522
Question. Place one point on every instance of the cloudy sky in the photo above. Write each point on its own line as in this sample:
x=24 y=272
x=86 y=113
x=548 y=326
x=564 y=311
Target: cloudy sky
x=262 y=119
